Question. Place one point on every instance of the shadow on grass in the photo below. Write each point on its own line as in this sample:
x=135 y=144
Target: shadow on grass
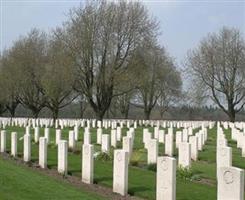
x=134 y=190
x=102 y=179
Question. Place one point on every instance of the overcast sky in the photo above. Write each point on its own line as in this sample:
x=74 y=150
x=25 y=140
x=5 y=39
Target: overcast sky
x=183 y=23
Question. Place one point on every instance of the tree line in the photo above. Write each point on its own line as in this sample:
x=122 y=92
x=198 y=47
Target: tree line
x=107 y=56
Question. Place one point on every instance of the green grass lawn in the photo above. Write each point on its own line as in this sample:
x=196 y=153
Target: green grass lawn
x=21 y=183
x=141 y=179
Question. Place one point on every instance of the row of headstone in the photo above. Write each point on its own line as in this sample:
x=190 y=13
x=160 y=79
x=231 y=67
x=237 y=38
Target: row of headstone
x=230 y=179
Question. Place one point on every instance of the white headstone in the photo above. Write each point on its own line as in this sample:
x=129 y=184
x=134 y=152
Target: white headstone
x=14 y=144
x=72 y=141
x=87 y=137
x=57 y=136
x=169 y=144
x=62 y=157
x=120 y=172
x=46 y=134
x=43 y=152
x=152 y=151
x=105 y=147
x=179 y=138
x=36 y=134
x=230 y=183
x=27 y=147
x=114 y=138
x=161 y=134
x=166 y=178
x=99 y=135
x=185 y=154
x=194 y=148
x=119 y=133
x=88 y=164
x=3 y=141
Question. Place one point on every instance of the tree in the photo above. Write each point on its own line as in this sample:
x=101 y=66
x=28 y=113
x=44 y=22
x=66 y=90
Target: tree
x=8 y=85
x=101 y=37
x=170 y=89
x=153 y=70
x=217 y=67
x=58 y=78
x=29 y=56
x=83 y=105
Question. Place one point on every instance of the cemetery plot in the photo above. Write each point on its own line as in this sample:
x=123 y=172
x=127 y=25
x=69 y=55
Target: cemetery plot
x=176 y=160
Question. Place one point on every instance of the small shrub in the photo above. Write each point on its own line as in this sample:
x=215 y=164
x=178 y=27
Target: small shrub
x=152 y=167
x=184 y=173
x=102 y=156
x=134 y=163
x=196 y=177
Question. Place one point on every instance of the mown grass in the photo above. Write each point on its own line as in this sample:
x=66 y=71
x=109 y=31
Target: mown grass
x=21 y=183
x=142 y=182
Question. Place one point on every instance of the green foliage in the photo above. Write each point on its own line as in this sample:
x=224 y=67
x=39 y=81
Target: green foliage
x=184 y=173
x=152 y=167
x=102 y=156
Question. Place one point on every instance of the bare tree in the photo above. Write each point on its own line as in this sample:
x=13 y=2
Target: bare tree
x=58 y=78
x=29 y=55
x=170 y=89
x=153 y=71
x=217 y=67
x=8 y=85
x=101 y=38
x=83 y=105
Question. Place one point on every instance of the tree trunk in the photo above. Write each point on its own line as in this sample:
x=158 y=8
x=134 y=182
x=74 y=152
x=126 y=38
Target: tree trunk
x=55 y=112
x=126 y=114
x=147 y=113
x=231 y=112
x=161 y=114
x=35 y=113
x=99 y=115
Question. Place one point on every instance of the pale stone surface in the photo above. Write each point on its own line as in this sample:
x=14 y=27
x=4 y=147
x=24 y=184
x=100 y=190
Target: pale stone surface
x=179 y=138
x=62 y=157
x=27 y=147
x=3 y=141
x=156 y=132
x=127 y=145
x=36 y=134
x=105 y=147
x=119 y=133
x=185 y=155
x=28 y=130
x=72 y=141
x=185 y=135
x=131 y=134
x=194 y=147
x=43 y=152
x=76 y=132
x=14 y=144
x=57 y=136
x=199 y=141
x=169 y=146
x=87 y=137
x=230 y=183
x=46 y=134
x=152 y=151
x=224 y=157
x=99 y=136
x=166 y=178
x=161 y=134
x=146 y=137
x=120 y=172
x=88 y=164
x=114 y=138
